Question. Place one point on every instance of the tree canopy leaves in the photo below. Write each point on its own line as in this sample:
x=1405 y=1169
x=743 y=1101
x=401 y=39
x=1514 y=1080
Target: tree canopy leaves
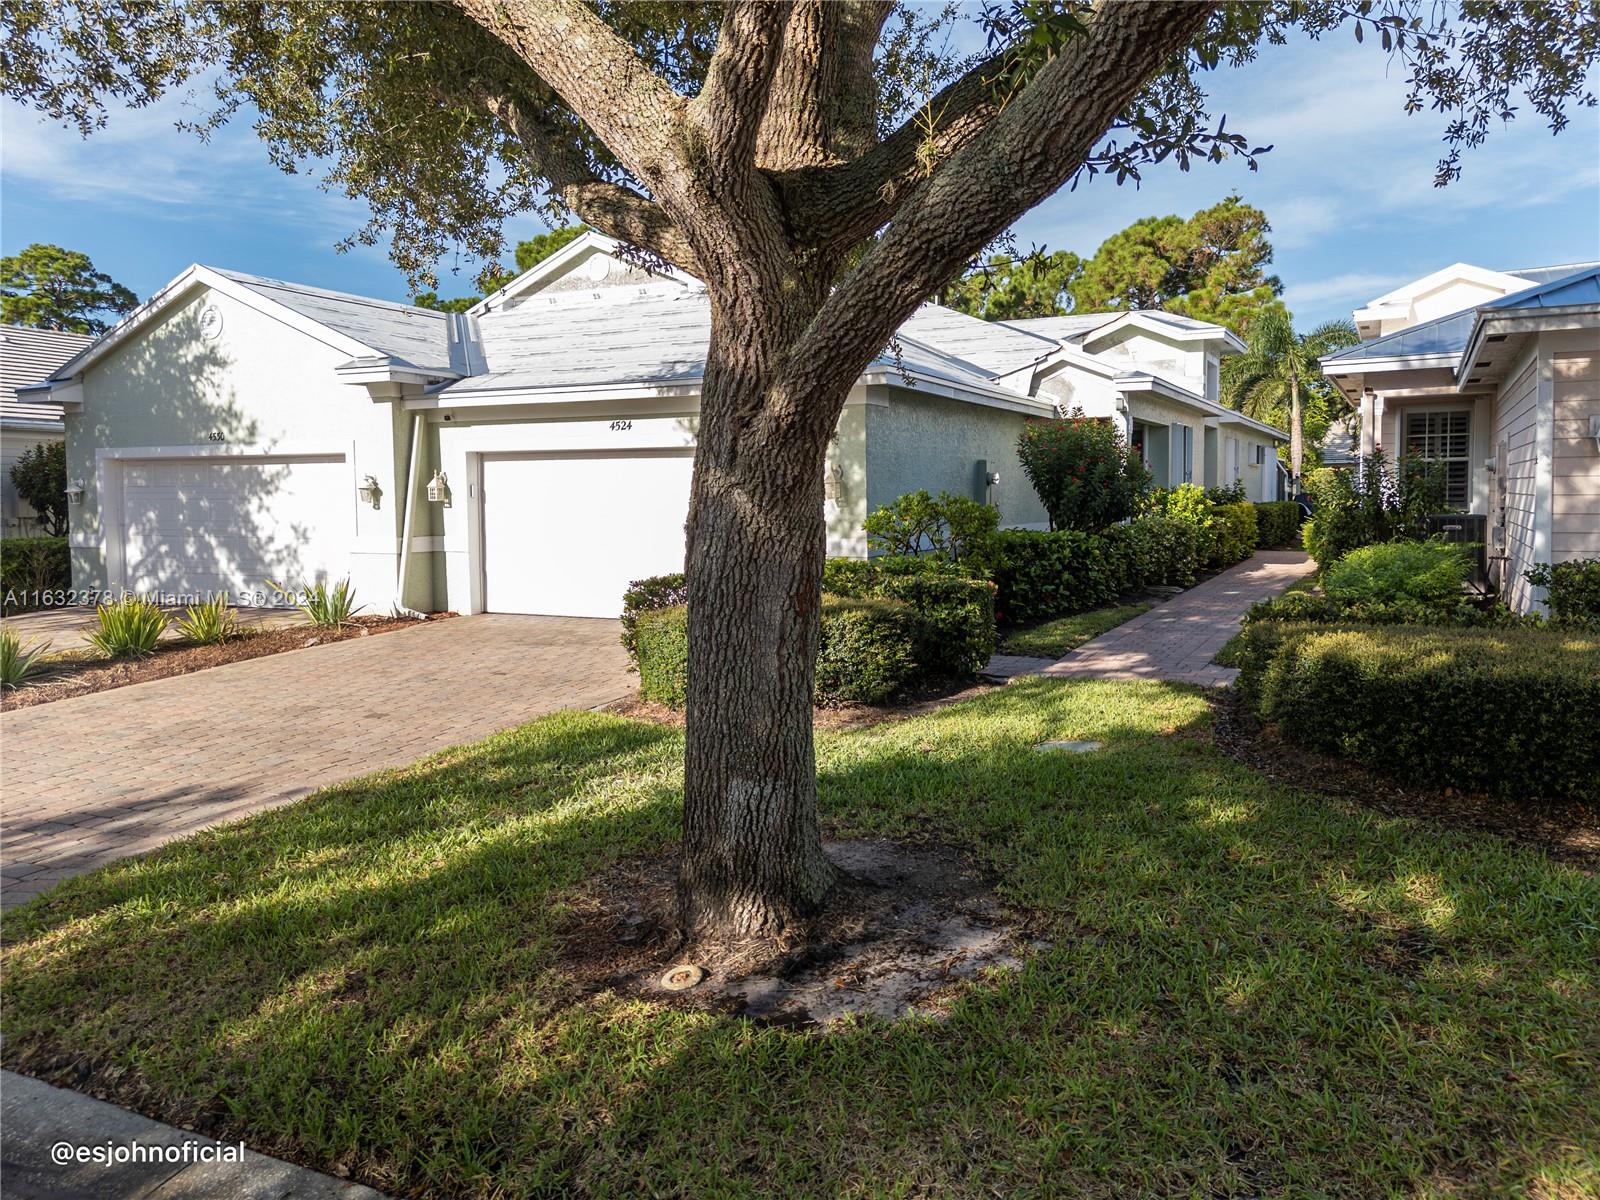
x=48 y=287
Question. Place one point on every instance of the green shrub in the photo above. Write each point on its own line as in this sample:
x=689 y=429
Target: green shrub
x=324 y=607
x=955 y=612
x=1370 y=502
x=1574 y=590
x=40 y=476
x=1509 y=711
x=953 y=622
x=1462 y=611
x=1235 y=538
x=661 y=650
x=1187 y=503
x=1227 y=493
x=1277 y=524
x=209 y=623
x=1427 y=572
x=1085 y=473
x=129 y=627
x=947 y=526
x=31 y=566
x=18 y=659
x=1153 y=551
x=647 y=595
x=866 y=652
x=1044 y=575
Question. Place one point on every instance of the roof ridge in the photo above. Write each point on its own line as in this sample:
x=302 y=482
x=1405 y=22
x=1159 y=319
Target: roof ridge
x=247 y=278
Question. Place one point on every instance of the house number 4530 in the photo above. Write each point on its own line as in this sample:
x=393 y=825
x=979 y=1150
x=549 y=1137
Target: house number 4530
x=621 y=426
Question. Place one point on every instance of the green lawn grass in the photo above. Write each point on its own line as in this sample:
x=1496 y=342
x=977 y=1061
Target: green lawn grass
x=1064 y=635
x=1249 y=990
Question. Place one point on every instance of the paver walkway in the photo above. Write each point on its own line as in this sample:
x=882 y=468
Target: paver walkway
x=37 y=1119
x=98 y=777
x=1175 y=641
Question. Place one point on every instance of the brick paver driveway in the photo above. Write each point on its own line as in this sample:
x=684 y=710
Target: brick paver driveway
x=91 y=779
x=1175 y=641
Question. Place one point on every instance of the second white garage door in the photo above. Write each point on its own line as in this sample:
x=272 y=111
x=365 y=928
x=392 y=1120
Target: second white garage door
x=564 y=536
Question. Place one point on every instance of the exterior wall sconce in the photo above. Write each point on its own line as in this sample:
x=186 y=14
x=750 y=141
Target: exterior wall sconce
x=833 y=482
x=370 y=492
x=74 y=492
x=1594 y=431
x=438 y=489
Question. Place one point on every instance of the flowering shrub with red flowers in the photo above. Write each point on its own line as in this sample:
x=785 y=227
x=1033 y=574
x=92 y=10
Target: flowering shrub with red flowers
x=1086 y=474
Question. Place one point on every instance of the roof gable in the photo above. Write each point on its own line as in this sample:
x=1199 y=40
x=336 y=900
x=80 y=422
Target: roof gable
x=589 y=262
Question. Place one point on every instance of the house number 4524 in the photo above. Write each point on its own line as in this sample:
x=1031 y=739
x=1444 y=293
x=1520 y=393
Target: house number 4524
x=621 y=426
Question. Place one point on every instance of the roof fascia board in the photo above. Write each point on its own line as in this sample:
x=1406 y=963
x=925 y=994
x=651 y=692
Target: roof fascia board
x=1512 y=321
x=1216 y=333
x=1400 y=362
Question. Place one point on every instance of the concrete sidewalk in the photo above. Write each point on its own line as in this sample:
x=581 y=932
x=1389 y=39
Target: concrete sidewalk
x=40 y=1124
x=1176 y=641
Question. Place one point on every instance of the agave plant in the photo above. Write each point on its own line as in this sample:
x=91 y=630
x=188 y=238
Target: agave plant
x=209 y=623
x=129 y=627
x=324 y=607
x=18 y=659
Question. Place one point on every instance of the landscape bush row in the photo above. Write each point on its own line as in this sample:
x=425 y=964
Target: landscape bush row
x=1394 y=664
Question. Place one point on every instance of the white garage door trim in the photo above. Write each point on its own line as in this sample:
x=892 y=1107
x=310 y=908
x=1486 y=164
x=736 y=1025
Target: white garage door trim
x=110 y=469
x=588 y=521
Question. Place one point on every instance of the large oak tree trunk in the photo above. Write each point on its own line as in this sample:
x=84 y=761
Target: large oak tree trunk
x=753 y=864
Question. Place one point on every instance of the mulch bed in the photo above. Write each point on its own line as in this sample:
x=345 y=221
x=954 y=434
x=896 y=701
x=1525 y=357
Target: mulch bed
x=79 y=677
x=906 y=928
x=1566 y=831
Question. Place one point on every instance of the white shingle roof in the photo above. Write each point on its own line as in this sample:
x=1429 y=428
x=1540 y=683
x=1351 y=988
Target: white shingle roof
x=419 y=337
x=569 y=340
x=29 y=356
x=991 y=345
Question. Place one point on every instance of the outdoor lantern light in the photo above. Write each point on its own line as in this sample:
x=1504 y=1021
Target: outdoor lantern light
x=75 y=492
x=369 y=491
x=833 y=482
x=438 y=489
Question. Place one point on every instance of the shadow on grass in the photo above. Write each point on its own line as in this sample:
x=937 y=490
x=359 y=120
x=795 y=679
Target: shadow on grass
x=1246 y=992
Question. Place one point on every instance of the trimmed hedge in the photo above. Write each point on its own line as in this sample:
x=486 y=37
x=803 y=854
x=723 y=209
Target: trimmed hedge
x=1161 y=551
x=661 y=652
x=866 y=653
x=647 y=595
x=1510 y=711
x=1043 y=575
x=1234 y=527
x=1430 y=573
x=30 y=565
x=954 y=633
x=1278 y=525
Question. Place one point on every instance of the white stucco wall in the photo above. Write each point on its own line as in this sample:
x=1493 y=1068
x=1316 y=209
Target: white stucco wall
x=920 y=441
x=17 y=518
x=261 y=385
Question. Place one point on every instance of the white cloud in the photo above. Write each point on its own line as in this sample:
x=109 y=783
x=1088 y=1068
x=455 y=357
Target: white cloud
x=1350 y=289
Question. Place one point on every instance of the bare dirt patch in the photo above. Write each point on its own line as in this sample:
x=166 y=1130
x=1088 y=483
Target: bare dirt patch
x=80 y=676
x=1567 y=831
x=908 y=925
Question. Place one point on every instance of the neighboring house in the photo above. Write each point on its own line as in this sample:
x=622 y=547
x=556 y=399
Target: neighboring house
x=1497 y=375
x=534 y=454
x=1342 y=443
x=26 y=356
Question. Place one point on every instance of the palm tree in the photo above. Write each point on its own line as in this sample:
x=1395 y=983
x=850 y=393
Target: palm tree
x=1280 y=364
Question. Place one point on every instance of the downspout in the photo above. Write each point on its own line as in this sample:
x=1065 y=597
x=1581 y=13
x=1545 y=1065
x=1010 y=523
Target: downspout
x=407 y=518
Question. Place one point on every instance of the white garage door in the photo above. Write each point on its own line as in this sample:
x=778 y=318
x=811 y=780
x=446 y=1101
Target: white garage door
x=195 y=526
x=566 y=535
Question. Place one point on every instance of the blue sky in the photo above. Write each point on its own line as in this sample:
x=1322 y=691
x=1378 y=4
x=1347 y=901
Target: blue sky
x=1348 y=189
